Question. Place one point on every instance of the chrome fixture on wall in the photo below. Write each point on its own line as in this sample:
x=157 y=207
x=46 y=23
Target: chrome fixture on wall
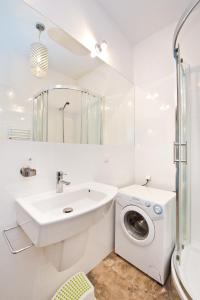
x=27 y=172
x=147 y=180
x=99 y=49
x=39 y=55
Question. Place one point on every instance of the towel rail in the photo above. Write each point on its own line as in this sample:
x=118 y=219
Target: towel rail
x=8 y=242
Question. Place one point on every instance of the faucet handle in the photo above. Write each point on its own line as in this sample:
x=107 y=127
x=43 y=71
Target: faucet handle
x=60 y=174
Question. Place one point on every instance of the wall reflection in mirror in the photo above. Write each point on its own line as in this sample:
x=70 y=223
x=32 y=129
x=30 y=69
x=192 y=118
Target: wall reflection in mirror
x=51 y=90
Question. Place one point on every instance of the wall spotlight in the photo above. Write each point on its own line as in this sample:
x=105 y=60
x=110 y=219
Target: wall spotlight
x=104 y=46
x=98 y=49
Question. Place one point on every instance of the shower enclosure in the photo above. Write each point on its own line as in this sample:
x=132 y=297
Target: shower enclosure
x=67 y=115
x=186 y=257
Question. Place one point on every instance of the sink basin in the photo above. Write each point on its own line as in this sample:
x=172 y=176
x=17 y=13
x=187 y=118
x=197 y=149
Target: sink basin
x=52 y=217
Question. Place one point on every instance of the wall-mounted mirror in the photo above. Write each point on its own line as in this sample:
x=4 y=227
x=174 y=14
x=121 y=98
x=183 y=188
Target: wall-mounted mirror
x=52 y=90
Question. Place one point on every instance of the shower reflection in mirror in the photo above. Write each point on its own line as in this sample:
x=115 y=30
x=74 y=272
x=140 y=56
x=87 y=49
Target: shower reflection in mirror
x=67 y=115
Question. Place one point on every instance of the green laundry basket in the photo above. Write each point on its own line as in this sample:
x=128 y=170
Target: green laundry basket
x=78 y=287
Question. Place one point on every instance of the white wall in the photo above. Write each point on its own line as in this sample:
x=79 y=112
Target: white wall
x=30 y=274
x=154 y=78
x=87 y=22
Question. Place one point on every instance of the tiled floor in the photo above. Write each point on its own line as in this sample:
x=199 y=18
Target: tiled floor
x=116 y=279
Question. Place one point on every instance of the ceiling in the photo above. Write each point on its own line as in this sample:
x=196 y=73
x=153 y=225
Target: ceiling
x=138 y=19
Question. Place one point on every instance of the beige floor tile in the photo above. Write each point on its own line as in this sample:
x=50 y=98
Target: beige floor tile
x=116 y=279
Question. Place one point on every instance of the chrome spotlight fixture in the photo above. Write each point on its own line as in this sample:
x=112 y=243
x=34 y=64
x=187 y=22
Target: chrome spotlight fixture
x=39 y=55
x=99 y=48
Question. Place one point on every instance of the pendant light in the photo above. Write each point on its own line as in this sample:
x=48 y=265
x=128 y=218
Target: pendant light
x=39 y=56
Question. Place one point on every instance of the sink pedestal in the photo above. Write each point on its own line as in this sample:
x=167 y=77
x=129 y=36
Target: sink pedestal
x=65 y=254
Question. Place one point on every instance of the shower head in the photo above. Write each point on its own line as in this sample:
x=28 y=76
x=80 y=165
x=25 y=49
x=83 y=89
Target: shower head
x=67 y=103
x=62 y=108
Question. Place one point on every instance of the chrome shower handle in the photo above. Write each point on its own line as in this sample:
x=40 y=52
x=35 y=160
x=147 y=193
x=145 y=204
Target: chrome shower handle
x=175 y=152
x=178 y=147
x=185 y=145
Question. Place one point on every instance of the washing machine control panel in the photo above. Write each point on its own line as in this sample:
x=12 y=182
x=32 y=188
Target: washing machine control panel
x=154 y=210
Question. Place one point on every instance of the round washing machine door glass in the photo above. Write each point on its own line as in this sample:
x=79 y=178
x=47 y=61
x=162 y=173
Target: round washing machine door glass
x=137 y=225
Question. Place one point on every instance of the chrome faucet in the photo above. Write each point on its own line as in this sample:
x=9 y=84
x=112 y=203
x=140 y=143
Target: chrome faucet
x=60 y=181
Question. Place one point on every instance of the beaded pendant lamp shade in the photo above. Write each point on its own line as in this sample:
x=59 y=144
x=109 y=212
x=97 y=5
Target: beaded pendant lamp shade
x=39 y=56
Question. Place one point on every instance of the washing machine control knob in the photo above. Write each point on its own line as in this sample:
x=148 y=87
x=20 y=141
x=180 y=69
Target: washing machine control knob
x=157 y=209
x=147 y=203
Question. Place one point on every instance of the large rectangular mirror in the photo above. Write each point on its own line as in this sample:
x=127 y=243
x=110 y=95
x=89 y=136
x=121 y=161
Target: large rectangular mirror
x=52 y=90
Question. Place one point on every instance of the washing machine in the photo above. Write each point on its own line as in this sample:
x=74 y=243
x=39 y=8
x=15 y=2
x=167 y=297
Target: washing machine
x=145 y=229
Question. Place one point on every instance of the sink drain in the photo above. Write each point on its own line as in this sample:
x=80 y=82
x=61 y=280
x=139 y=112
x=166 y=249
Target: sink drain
x=67 y=210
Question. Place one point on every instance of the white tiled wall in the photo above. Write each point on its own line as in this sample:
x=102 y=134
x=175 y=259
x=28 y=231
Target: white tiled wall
x=155 y=81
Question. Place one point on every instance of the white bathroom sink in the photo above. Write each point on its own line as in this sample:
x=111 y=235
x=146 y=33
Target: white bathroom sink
x=52 y=217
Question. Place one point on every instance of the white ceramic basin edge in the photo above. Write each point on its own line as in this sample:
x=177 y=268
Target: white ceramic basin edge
x=43 y=216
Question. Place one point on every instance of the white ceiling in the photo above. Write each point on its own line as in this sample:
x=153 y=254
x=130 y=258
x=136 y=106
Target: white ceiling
x=138 y=19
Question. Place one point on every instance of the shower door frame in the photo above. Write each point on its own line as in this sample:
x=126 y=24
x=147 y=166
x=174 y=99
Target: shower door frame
x=181 y=149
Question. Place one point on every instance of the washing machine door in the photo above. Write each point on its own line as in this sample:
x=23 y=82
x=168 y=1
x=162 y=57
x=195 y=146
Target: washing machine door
x=137 y=225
